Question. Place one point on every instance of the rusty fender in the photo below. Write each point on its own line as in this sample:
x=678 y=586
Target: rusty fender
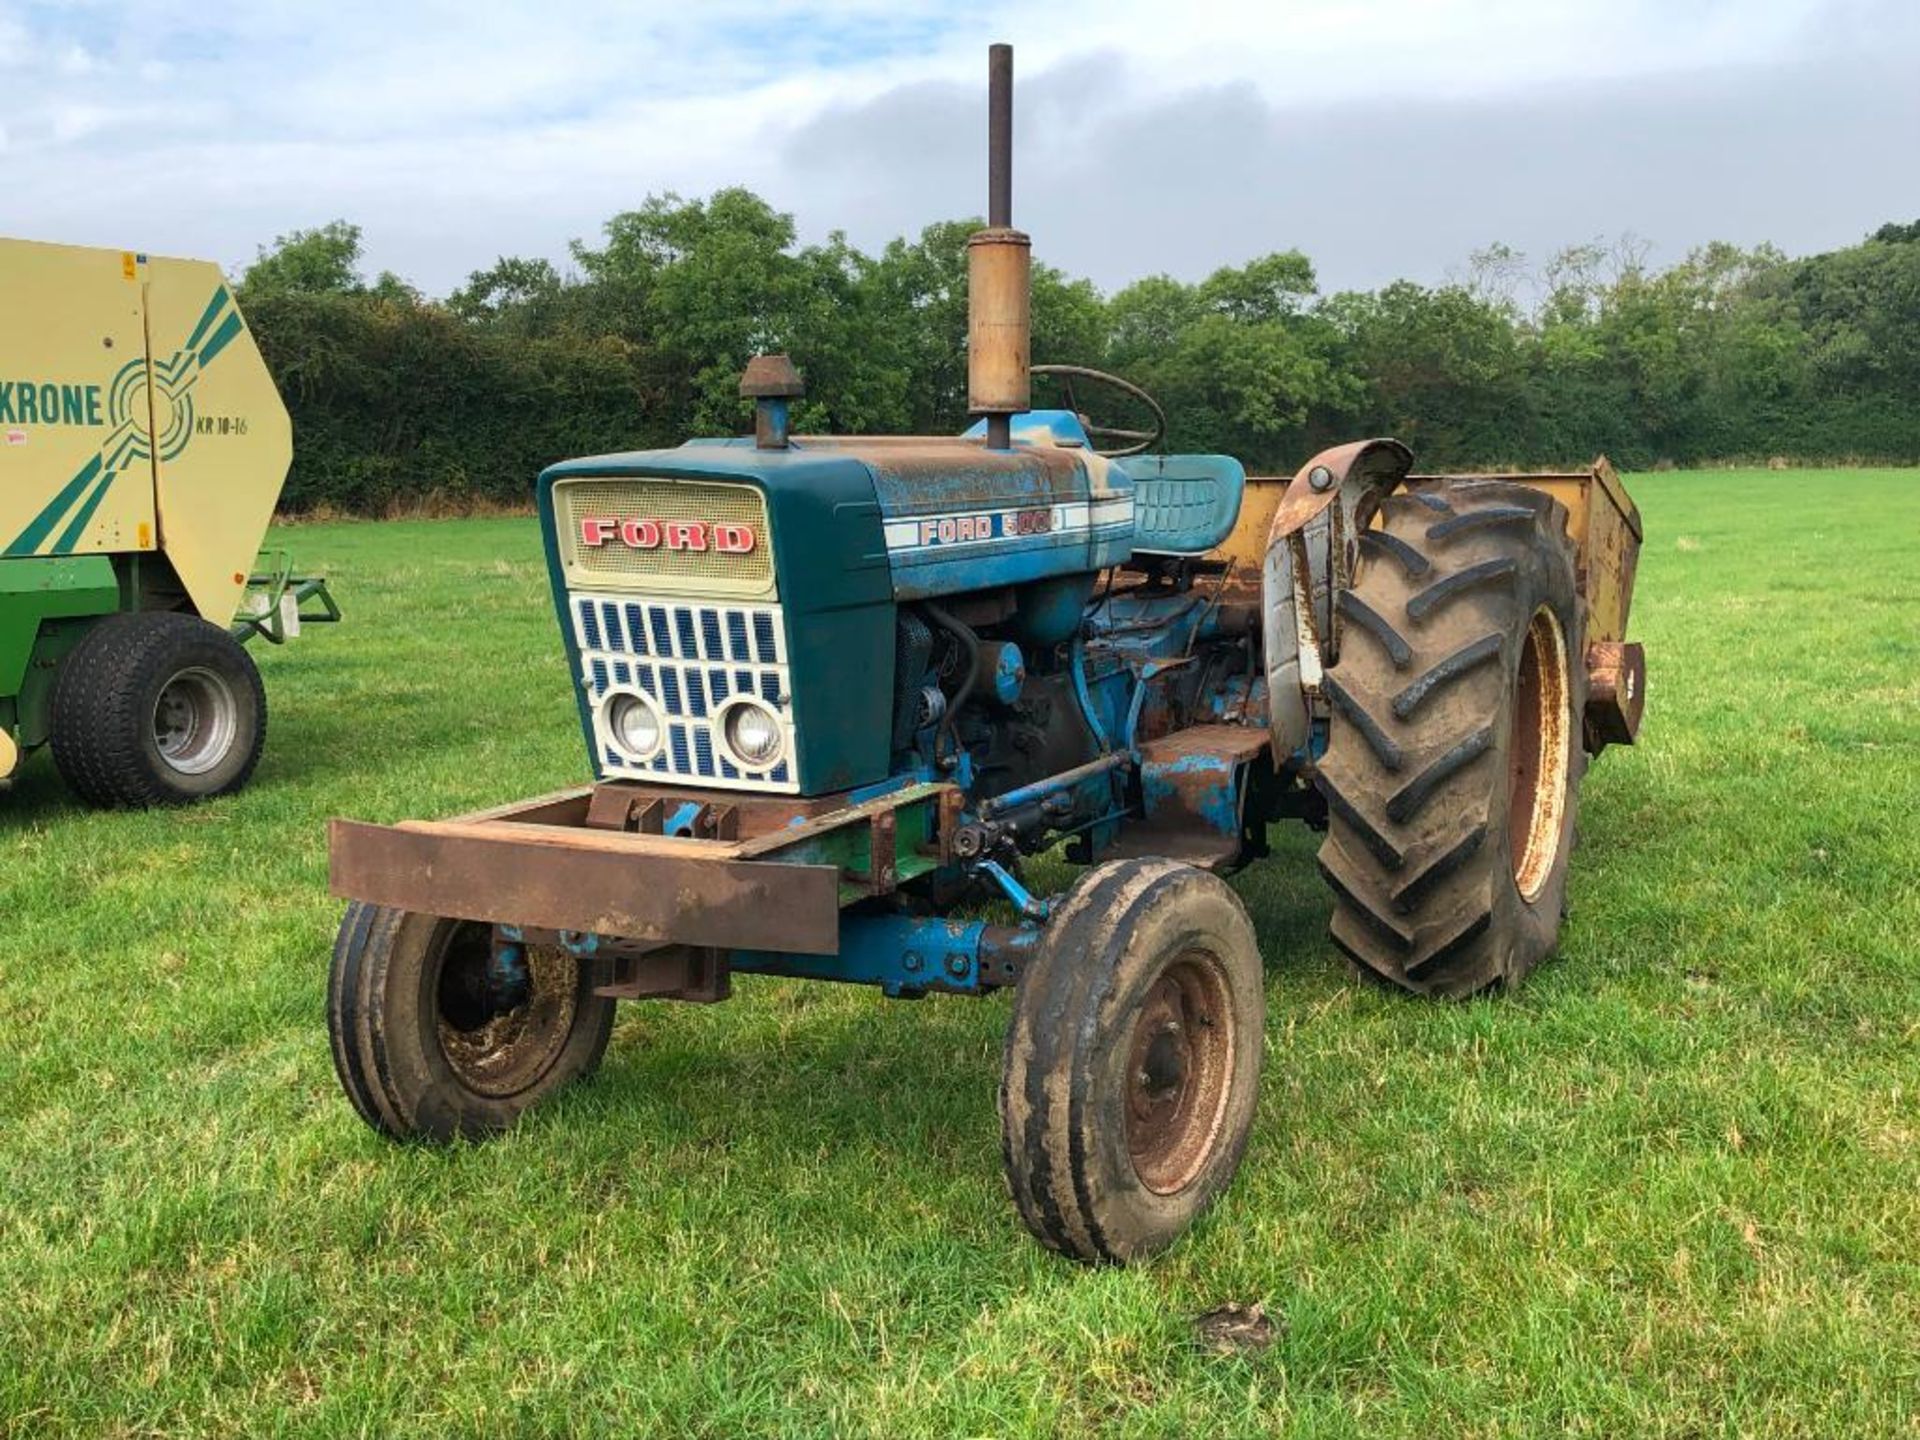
x=1310 y=557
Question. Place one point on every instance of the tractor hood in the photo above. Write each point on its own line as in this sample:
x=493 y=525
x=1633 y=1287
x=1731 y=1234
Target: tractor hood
x=938 y=515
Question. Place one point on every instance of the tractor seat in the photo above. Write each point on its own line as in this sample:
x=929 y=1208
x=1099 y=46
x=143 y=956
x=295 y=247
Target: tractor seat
x=1183 y=504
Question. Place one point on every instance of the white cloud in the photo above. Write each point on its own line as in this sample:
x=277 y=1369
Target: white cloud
x=76 y=122
x=75 y=61
x=1150 y=137
x=14 y=53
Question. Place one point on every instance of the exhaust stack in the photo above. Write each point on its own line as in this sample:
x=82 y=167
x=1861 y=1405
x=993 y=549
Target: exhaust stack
x=999 y=283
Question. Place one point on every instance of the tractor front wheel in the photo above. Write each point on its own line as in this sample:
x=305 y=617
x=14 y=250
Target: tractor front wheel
x=438 y=1032
x=1132 y=1061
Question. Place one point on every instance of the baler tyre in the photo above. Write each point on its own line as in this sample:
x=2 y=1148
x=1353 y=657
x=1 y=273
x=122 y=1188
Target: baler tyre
x=157 y=708
x=1132 y=1065
x=426 y=1043
x=1454 y=759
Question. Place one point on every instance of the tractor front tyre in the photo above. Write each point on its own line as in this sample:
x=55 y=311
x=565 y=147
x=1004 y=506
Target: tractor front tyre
x=157 y=708
x=1454 y=756
x=437 y=1033
x=1132 y=1064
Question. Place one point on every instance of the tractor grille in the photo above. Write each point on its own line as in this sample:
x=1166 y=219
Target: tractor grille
x=689 y=657
x=615 y=566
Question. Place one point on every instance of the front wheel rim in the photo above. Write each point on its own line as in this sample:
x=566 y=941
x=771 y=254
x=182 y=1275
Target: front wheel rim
x=195 y=719
x=1542 y=749
x=1179 y=1072
x=499 y=1042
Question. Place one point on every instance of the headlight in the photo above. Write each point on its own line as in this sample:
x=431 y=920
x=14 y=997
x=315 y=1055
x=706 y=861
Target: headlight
x=634 y=724
x=753 y=734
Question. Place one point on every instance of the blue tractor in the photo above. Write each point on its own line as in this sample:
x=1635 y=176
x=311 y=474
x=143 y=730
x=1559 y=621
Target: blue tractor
x=834 y=690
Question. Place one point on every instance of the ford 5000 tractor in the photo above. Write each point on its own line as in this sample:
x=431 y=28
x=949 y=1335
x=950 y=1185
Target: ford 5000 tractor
x=833 y=690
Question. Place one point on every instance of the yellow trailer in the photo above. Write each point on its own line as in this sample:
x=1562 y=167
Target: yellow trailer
x=143 y=447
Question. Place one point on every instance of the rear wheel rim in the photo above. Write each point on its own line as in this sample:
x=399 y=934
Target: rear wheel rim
x=1179 y=1072
x=195 y=720
x=1541 y=753
x=498 y=1041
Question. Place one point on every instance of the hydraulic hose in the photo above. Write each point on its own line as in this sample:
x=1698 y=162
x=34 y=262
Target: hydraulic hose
x=970 y=643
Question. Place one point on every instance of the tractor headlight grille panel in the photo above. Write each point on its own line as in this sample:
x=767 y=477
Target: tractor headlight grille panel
x=708 y=677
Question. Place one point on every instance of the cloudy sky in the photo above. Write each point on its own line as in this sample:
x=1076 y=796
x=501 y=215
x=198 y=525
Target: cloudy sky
x=1383 y=137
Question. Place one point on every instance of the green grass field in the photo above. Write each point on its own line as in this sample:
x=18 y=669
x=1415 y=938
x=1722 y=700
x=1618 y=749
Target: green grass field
x=1670 y=1187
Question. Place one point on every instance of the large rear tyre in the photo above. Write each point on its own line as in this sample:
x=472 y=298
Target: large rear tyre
x=1454 y=760
x=157 y=708
x=435 y=1036
x=1132 y=1063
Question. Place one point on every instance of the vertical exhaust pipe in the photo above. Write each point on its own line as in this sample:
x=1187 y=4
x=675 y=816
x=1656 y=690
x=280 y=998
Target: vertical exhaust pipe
x=999 y=278
x=1000 y=136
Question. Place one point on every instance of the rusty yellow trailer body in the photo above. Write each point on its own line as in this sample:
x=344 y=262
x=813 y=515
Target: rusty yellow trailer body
x=1602 y=521
x=1604 y=524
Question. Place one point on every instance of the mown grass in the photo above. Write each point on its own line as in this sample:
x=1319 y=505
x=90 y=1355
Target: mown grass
x=1668 y=1188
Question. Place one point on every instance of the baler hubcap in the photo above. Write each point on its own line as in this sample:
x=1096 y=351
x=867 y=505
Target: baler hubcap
x=195 y=720
x=500 y=1041
x=1541 y=754
x=1178 y=1068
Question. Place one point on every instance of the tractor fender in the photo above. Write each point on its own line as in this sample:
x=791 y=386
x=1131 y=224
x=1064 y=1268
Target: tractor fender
x=1311 y=550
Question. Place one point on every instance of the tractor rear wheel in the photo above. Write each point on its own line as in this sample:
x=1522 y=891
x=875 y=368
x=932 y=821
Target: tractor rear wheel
x=1454 y=757
x=1132 y=1063
x=435 y=1036
x=157 y=708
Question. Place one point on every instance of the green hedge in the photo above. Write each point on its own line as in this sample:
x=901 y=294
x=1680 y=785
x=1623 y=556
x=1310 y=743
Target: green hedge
x=400 y=401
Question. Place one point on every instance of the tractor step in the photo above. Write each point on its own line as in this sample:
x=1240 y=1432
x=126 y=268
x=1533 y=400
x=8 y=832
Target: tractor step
x=1189 y=788
x=1205 y=851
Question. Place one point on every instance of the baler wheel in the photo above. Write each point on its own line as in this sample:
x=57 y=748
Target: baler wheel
x=1454 y=759
x=431 y=1040
x=157 y=708
x=1132 y=1063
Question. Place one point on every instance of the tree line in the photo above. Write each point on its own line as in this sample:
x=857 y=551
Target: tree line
x=399 y=399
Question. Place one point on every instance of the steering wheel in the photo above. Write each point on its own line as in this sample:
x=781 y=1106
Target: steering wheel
x=1130 y=442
